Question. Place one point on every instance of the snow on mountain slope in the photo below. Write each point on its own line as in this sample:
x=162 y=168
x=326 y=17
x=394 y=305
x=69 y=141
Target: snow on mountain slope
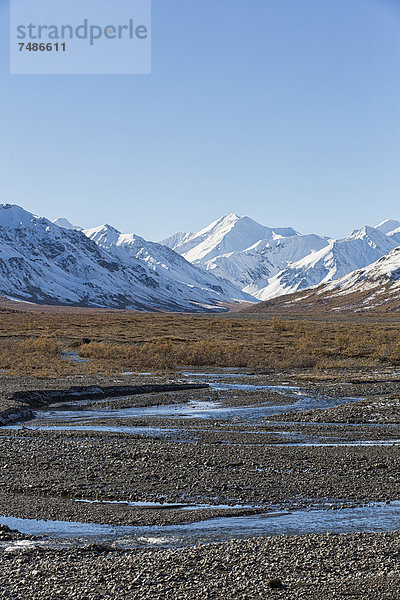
x=12 y=216
x=233 y=259
x=395 y=235
x=230 y=233
x=252 y=269
x=267 y=262
x=176 y=239
x=62 y=222
x=244 y=252
x=383 y=272
x=376 y=287
x=164 y=261
x=337 y=259
x=42 y=262
x=387 y=227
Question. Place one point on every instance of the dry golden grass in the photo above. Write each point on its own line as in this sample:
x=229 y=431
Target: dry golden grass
x=31 y=342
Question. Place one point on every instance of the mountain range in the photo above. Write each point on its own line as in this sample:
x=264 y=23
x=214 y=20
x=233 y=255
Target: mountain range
x=42 y=262
x=269 y=262
x=232 y=260
x=375 y=288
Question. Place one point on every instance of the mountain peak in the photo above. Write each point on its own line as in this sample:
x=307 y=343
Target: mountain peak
x=65 y=224
x=232 y=217
x=363 y=231
x=373 y=236
x=12 y=216
x=103 y=229
x=104 y=235
x=107 y=227
x=226 y=221
x=229 y=233
x=388 y=226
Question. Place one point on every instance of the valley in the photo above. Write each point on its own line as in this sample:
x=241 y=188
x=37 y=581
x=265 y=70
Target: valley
x=126 y=474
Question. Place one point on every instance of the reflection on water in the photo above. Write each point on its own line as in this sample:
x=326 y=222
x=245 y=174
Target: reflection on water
x=189 y=435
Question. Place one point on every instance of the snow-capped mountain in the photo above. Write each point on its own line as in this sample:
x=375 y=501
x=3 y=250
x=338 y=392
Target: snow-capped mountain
x=42 y=262
x=163 y=261
x=375 y=287
x=62 y=222
x=388 y=227
x=337 y=259
x=243 y=251
x=391 y=228
x=234 y=259
x=268 y=262
x=381 y=273
x=227 y=234
x=253 y=268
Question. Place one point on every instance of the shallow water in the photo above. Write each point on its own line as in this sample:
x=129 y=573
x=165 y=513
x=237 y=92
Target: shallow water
x=297 y=522
x=81 y=415
x=73 y=356
x=195 y=409
x=135 y=373
x=79 y=412
x=332 y=423
x=217 y=375
x=189 y=435
x=335 y=444
x=170 y=506
x=178 y=434
x=184 y=410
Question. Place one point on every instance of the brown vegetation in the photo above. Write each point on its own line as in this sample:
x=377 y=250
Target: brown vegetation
x=31 y=342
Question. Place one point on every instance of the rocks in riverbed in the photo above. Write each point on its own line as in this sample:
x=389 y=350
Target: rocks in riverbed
x=43 y=472
x=275 y=584
x=314 y=567
x=7 y=534
x=39 y=398
x=15 y=413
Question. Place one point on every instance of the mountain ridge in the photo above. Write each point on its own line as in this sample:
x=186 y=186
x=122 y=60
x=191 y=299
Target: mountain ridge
x=234 y=259
x=375 y=288
x=282 y=260
x=43 y=263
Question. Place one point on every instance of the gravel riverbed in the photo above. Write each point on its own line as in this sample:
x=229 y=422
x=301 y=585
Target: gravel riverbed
x=242 y=455
x=323 y=567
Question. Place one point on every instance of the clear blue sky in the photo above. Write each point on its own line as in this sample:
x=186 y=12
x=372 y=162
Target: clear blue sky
x=285 y=110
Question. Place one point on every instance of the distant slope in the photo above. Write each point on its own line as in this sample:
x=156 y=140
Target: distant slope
x=62 y=222
x=270 y=262
x=232 y=260
x=335 y=260
x=253 y=268
x=166 y=264
x=375 y=288
x=388 y=227
x=43 y=263
x=243 y=251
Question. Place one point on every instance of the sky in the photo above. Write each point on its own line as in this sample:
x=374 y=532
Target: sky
x=287 y=111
